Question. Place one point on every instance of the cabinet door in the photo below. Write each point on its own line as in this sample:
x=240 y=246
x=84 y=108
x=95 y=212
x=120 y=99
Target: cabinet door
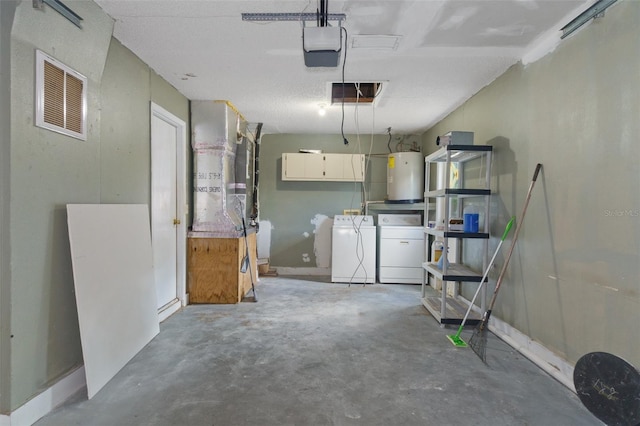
x=344 y=167
x=302 y=166
x=353 y=167
x=292 y=166
x=334 y=166
x=314 y=166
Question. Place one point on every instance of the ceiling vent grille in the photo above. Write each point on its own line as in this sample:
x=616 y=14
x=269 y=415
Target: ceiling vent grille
x=61 y=97
x=351 y=93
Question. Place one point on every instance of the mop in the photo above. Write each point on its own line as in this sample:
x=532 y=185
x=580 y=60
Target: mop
x=455 y=338
x=478 y=341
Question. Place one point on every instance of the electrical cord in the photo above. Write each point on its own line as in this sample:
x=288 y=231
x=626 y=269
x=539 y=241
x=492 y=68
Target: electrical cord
x=360 y=249
x=360 y=252
x=344 y=62
x=368 y=159
x=358 y=147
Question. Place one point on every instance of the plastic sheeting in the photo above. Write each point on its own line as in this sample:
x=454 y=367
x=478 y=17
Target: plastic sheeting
x=222 y=154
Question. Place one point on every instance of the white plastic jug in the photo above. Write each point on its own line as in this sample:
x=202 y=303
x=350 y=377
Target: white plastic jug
x=436 y=250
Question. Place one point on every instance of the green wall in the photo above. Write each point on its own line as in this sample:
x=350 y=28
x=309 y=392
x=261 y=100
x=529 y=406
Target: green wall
x=7 y=13
x=49 y=170
x=126 y=132
x=290 y=206
x=572 y=282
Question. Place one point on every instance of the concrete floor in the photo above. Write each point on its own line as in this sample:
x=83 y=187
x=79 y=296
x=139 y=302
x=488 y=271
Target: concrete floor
x=315 y=353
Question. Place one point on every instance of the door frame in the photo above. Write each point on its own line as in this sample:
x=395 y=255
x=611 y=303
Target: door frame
x=181 y=206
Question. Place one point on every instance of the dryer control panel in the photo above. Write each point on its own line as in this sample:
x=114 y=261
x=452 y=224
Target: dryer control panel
x=399 y=220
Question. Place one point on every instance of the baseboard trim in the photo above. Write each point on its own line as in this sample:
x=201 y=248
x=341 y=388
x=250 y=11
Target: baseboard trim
x=540 y=355
x=285 y=270
x=46 y=401
x=555 y=366
x=169 y=310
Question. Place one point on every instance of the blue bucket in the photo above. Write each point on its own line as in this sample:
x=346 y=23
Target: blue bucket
x=471 y=222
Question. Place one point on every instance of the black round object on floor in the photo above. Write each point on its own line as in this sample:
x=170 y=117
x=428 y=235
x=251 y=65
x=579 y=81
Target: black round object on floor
x=609 y=387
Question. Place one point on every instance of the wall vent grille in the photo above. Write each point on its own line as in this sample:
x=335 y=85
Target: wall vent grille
x=61 y=97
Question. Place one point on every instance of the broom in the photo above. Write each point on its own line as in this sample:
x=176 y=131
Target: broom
x=478 y=340
x=455 y=338
x=246 y=261
x=236 y=214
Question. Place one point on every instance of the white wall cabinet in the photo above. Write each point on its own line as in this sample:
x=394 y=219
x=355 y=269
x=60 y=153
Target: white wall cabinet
x=323 y=167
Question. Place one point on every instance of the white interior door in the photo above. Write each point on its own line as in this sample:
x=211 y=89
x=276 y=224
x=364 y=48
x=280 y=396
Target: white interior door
x=167 y=209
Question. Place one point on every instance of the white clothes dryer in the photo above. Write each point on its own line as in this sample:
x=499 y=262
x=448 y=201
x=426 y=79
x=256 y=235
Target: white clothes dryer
x=400 y=249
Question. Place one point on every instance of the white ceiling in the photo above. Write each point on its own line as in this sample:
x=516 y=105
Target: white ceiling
x=448 y=51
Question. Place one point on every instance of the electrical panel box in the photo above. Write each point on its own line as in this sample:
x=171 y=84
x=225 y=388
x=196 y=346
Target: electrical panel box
x=455 y=138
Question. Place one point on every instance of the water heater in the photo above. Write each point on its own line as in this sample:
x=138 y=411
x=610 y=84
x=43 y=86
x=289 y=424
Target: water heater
x=405 y=177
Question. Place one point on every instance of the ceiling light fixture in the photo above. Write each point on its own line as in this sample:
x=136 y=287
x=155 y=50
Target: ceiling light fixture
x=322 y=110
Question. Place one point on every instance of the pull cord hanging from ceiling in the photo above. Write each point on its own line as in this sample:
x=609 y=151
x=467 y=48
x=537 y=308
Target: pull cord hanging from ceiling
x=344 y=62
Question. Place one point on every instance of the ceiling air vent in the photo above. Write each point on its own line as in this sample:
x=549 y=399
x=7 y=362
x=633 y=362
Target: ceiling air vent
x=351 y=93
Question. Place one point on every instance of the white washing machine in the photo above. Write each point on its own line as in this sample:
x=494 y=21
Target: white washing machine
x=400 y=248
x=353 y=250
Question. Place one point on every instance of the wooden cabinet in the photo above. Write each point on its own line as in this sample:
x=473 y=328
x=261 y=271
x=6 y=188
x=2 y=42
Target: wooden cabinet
x=323 y=167
x=213 y=273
